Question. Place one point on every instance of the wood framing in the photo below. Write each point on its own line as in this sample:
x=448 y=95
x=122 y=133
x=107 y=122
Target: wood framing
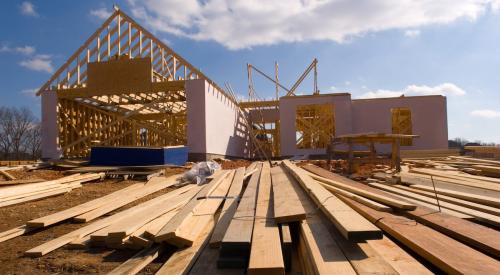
x=315 y=125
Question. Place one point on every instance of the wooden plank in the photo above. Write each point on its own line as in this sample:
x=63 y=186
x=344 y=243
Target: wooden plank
x=340 y=182
x=488 y=170
x=484 y=217
x=169 y=231
x=39 y=196
x=286 y=245
x=472 y=205
x=237 y=240
x=206 y=263
x=7 y=175
x=79 y=209
x=444 y=252
x=398 y=258
x=351 y=225
x=489 y=201
x=154 y=185
x=287 y=207
x=265 y=253
x=15 y=232
x=457 y=179
x=229 y=208
x=360 y=199
x=321 y=252
x=138 y=261
x=182 y=260
x=16 y=182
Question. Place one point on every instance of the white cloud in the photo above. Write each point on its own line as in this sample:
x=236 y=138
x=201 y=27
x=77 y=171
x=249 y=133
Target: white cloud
x=41 y=63
x=26 y=50
x=485 y=113
x=412 y=33
x=27 y=8
x=30 y=92
x=101 y=13
x=446 y=89
x=240 y=24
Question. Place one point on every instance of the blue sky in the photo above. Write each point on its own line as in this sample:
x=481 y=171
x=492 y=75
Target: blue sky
x=367 y=48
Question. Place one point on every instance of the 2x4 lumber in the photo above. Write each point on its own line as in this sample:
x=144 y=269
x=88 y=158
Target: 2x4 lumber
x=27 y=188
x=398 y=258
x=182 y=260
x=191 y=228
x=15 y=232
x=265 y=254
x=286 y=245
x=327 y=177
x=350 y=224
x=206 y=263
x=157 y=224
x=487 y=161
x=169 y=231
x=319 y=252
x=238 y=237
x=86 y=230
x=464 y=203
x=138 y=261
x=457 y=179
x=287 y=206
x=44 y=195
x=481 y=216
x=488 y=170
x=229 y=208
x=489 y=201
x=16 y=182
x=79 y=209
x=360 y=199
x=449 y=255
x=155 y=184
x=164 y=204
x=7 y=175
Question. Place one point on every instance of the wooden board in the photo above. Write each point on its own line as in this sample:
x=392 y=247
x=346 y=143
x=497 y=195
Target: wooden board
x=463 y=179
x=138 y=261
x=488 y=170
x=287 y=207
x=444 y=252
x=169 y=231
x=485 y=200
x=238 y=237
x=351 y=225
x=286 y=245
x=265 y=254
x=346 y=184
x=484 y=217
x=229 y=208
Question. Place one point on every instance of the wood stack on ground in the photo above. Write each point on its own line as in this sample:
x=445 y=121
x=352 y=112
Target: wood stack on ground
x=286 y=219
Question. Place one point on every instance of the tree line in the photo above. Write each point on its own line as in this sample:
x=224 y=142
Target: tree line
x=20 y=134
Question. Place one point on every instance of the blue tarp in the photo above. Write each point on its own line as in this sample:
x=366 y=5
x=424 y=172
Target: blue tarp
x=138 y=156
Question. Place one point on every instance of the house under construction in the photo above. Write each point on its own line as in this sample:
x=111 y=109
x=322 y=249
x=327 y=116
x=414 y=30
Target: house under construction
x=124 y=87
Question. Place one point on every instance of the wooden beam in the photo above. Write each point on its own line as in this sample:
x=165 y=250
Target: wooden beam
x=138 y=261
x=265 y=254
x=287 y=206
x=351 y=225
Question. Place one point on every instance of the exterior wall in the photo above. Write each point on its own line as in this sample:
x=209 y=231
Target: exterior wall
x=50 y=147
x=288 y=105
x=428 y=114
x=214 y=123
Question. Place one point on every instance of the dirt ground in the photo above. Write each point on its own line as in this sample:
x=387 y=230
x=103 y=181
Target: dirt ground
x=63 y=260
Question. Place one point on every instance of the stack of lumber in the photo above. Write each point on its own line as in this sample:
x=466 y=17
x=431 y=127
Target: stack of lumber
x=276 y=219
x=25 y=191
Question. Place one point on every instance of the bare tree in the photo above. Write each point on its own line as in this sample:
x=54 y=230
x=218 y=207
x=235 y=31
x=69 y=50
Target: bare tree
x=33 y=141
x=23 y=121
x=6 y=126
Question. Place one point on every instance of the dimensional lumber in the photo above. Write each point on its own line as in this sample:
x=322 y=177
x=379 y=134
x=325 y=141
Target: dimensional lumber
x=351 y=225
x=412 y=178
x=43 y=195
x=15 y=232
x=157 y=224
x=487 y=161
x=170 y=229
x=206 y=263
x=458 y=179
x=79 y=209
x=490 y=201
x=481 y=216
x=192 y=227
x=360 y=199
x=16 y=182
x=138 y=261
x=327 y=177
x=86 y=230
x=320 y=252
x=162 y=205
x=397 y=257
x=287 y=206
x=235 y=246
x=265 y=254
x=464 y=203
x=182 y=260
x=286 y=245
x=155 y=184
x=7 y=175
x=488 y=170
x=229 y=208
x=444 y=252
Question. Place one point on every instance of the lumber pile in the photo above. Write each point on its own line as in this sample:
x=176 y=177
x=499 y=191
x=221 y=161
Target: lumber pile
x=11 y=194
x=285 y=218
